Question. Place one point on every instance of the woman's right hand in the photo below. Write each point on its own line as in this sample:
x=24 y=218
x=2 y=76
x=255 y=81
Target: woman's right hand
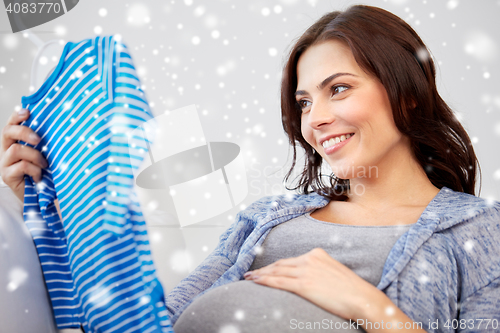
x=16 y=159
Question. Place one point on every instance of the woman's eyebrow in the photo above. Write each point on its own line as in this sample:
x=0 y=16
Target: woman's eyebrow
x=325 y=82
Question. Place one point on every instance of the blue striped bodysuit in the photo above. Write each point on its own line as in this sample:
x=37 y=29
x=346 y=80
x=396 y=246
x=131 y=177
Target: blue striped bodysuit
x=96 y=262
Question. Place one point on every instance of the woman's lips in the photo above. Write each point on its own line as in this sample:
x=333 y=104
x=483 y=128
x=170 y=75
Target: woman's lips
x=337 y=146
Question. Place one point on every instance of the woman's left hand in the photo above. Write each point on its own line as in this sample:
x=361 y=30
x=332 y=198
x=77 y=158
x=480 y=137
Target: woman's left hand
x=322 y=280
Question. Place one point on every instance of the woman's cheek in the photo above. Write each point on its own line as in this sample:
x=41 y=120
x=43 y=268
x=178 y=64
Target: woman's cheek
x=307 y=133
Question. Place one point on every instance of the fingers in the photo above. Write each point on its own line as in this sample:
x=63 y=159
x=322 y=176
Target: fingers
x=279 y=282
x=295 y=267
x=17 y=160
x=14 y=174
x=13 y=132
x=273 y=270
x=18 y=152
x=18 y=116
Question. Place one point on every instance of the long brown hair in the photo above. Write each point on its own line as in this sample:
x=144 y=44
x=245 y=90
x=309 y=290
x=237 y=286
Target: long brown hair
x=386 y=47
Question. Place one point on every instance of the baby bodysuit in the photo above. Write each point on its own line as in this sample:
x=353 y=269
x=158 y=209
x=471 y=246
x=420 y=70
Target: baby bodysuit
x=96 y=262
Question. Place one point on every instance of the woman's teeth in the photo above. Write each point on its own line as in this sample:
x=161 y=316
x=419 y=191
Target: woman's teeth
x=332 y=141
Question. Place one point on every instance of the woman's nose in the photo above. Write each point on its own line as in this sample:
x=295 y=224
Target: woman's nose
x=320 y=114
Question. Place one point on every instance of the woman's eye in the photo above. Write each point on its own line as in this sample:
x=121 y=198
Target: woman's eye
x=303 y=103
x=339 y=89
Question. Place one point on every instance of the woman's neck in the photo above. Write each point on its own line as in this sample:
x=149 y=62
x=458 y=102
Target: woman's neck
x=393 y=183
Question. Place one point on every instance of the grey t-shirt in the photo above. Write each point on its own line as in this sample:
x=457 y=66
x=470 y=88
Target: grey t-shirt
x=245 y=306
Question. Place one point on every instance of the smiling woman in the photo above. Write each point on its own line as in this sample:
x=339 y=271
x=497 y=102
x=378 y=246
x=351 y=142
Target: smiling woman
x=413 y=251
x=372 y=46
x=360 y=110
x=355 y=127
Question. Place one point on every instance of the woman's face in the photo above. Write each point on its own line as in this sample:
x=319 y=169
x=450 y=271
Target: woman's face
x=339 y=101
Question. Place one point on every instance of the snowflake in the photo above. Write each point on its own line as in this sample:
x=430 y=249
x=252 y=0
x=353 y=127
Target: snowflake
x=199 y=11
x=468 y=245
x=422 y=265
x=196 y=40
x=10 y=41
x=423 y=54
x=101 y=296
x=277 y=314
x=481 y=46
x=215 y=34
x=390 y=310
x=239 y=315
x=452 y=4
x=145 y=299
x=273 y=51
x=17 y=276
x=138 y=15
x=423 y=279
x=32 y=213
x=229 y=329
x=60 y=30
x=211 y=21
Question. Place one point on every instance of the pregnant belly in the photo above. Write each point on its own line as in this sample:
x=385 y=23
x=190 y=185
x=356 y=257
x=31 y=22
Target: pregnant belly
x=245 y=306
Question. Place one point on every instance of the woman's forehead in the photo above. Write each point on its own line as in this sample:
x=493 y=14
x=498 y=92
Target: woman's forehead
x=324 y=59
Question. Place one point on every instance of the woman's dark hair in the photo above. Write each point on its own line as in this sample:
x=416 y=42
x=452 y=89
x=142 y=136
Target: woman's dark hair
x=386 y=47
